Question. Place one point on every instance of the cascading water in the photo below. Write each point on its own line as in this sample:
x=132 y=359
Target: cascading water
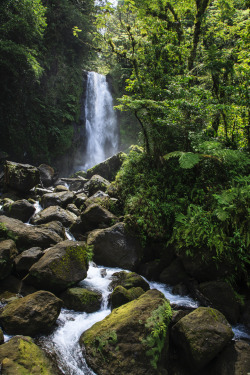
x=101 y=122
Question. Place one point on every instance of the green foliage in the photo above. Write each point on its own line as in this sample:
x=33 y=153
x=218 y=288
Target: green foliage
x=7 y=234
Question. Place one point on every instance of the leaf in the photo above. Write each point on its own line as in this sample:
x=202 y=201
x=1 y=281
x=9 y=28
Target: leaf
x=188 y=160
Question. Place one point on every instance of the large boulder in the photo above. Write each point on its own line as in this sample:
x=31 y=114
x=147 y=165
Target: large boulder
x=133 y=339
x=115 y=247
x=20 y=209
x=47 y=174
x=108 y=168
x=22 y=177
x=26 y=259
x=200 y=336
x=8 y=252
x=174 y=273
x=61 y=199
x=75 y=184
x=222 y=297
x=27 y=236
x=128 y=280
x=120 y=296
x=20 y=356
x=61 y=266
x=96 y=183
x=81 y=299
x=30 y=315
x=52 y=213
x=96 y=216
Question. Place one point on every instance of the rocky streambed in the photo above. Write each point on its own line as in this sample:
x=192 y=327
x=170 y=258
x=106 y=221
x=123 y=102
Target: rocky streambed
x=62 y=313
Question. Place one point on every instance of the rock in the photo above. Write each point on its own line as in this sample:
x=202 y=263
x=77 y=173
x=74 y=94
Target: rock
x=61 y=266
x=60 y=188
x=20 y=209
x=80 y=299
x=108 y=168
x=104 y=200
x=128 y=280
x=8 y=252
x=200 y=336
x=61 y=199
x=1 y=337
x=12 y=287
x=151 y=270
x=233 y=360
x=47 y=175
x=54 y=213
x=123 y=342
x=55 y=226
x=180 y=289
x=222 y=298
x=80 y=200
x=96 y=183
x=26 y=259
x=20 y=356
x=120 y=296
x=96 y=216
x=22 y=177
x=31 y=315
x=75 y=184
x=27 y=236
x=245 y=317
x=174 y=273
x=114 y=247
x=72 y=208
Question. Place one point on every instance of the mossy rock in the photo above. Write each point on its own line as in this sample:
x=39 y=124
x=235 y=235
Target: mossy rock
x=22 y=177
x=20 y=356
x=61 y=267
x=1 y=337
x=128 y=280
x=109 y=167
x=80 y=299
x=96 y=183
x=8 y=252
x=133 y=339
x=200 y=336
x=120 y=295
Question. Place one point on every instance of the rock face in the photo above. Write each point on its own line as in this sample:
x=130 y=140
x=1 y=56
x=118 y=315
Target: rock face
x=114 y=247
x=30 y=315
x=57 y=213
x=80 y=299
x=61 y=266
x=96 y=183
x=20 y=356
x=201 y=335
x=8 y=252
x=61 y=199
x=21 y=210
x=108 y=168
x=26 y=259
x=22 y=177
x=123 y=342
x=222 y=298
x=27 y=236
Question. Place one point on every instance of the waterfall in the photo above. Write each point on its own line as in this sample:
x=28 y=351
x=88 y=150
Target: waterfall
x=101 y=123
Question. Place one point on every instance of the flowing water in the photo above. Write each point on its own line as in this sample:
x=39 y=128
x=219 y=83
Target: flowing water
x=101 y=122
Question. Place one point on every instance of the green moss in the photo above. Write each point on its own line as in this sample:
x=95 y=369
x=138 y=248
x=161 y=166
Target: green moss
x=72 y=254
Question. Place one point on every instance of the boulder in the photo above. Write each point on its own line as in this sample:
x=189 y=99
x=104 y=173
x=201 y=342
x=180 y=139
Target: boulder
x=31 y=315
x=133 y=339
x=27 y=236
x=52 y=213
x=1 y=337
x=26 y=259
x=55 y=226
x=61 y=266
x=8 y=252
x=47 y=175
x=21 y=177
x=108 y=168
x=120 y=296
x=61 y=199
x=222 y=297
x=20 y=356
x=72 y=208
x=233 y=360
x=151 y=270
x=128 y=280
x=60 y=188
x=200 y=336
x=20 y=209
x=80 y=200
x=80 y=299
x=12 y=287
x=174 y=273
x=96 y=183
x=95 y=216
x=115 y=247
x=75 y=184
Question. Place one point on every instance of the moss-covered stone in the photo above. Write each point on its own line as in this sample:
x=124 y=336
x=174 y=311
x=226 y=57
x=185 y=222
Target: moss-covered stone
x=128 y=280
x=132 y=339
x=22 y=177
x=120 y=295
x=80 y=299
x=96 y=183
x=201 y=335
x=109 y=167
x=20 y=356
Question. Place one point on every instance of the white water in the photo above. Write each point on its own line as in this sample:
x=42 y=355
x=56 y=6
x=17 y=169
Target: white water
x=101 y=122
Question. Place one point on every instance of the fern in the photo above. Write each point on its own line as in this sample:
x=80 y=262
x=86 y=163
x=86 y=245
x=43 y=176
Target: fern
x=187 y=160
